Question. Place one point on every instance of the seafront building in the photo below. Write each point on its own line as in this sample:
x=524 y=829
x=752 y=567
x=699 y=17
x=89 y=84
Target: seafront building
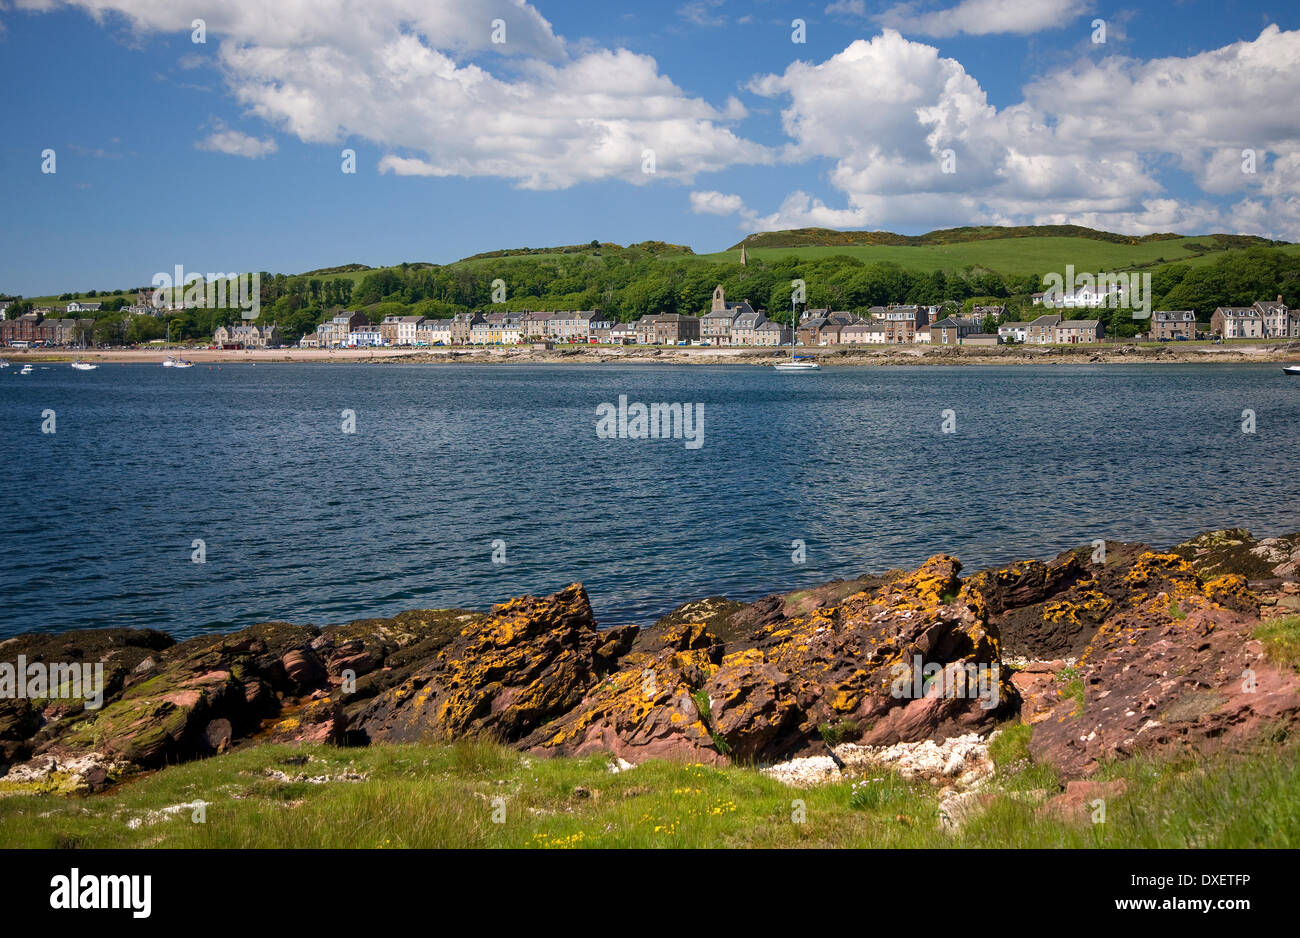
x=726 y=323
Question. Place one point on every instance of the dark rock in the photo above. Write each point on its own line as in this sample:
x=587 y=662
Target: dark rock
x=218 y=734
x=530 y=661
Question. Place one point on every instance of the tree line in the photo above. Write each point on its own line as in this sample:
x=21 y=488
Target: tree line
x=626 y=284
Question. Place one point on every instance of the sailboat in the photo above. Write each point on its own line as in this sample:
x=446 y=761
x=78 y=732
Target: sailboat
x=796 y=363
x=79 y=365
x=171 y=361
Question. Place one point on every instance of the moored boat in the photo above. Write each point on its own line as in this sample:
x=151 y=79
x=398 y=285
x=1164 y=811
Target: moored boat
x=798 y=364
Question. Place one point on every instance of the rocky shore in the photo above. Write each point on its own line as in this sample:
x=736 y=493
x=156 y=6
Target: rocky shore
x=1151 y=651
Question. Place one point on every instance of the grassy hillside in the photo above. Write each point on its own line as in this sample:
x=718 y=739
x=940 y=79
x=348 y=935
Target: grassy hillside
x=1012 y=251
x=1028 y=255
x=815 y=237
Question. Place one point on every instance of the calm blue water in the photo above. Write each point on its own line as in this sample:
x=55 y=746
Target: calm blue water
x=307 y=524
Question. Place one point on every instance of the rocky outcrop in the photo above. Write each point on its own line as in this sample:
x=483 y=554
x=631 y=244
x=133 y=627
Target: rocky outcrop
x=530 y=661
x=1174 y=667
x=851 y=667
x=1235 y=550
x=166 y=702
x=1118 y=651
x=27 y=723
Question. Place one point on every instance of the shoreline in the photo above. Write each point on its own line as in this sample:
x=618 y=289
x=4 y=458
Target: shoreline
x=1060 y=626
x=700 y=355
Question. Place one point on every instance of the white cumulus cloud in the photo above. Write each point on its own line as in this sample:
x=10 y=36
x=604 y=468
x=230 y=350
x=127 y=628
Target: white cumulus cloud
x=913 y=140
x=425 y=81
x=236 y=143
x=716 y=203
x=980 y=17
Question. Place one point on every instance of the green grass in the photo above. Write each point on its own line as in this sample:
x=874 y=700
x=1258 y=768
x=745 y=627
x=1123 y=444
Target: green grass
x=1281 y=639
x=446 y=796
x=1011 y=746
x=1036 y=255
x=1072 y=687
x=838 y=732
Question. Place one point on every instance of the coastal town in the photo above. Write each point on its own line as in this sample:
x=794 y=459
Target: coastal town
x=728 y=323
x=737 y=324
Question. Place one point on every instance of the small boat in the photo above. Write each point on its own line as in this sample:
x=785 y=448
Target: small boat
x=84 y=366
x=1292 y=369
x=169 y=363
x=798 y=364
x=182 y=363
x=26 y=370
x=4 y=363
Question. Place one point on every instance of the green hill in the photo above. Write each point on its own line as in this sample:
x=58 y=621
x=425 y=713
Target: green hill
x=830 y=237
x=1006 y=250
x=848 y=270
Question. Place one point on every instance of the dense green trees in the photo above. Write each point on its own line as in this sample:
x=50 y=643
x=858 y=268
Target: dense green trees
x=626 y=283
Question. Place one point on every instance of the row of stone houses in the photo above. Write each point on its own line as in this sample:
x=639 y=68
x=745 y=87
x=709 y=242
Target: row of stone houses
x=246 y=336
x=1266 y=319
x=1053 y=330
x=35 y=327
x=739 y=324
x=499 y=328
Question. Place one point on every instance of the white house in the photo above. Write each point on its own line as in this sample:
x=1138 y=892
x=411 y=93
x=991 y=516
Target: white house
x=1014 y=332
x=365 y=337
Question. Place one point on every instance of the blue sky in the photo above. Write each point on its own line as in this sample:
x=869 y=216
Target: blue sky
x=225 y=155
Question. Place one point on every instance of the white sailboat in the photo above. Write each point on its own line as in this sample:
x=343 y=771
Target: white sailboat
x=796 y=363
x=171 y=361
x=79 y=365
x=1290 y=369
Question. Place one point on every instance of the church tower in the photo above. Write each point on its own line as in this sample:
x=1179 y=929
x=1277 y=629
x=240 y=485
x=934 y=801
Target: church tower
x=719 y=299
x=744 y=258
